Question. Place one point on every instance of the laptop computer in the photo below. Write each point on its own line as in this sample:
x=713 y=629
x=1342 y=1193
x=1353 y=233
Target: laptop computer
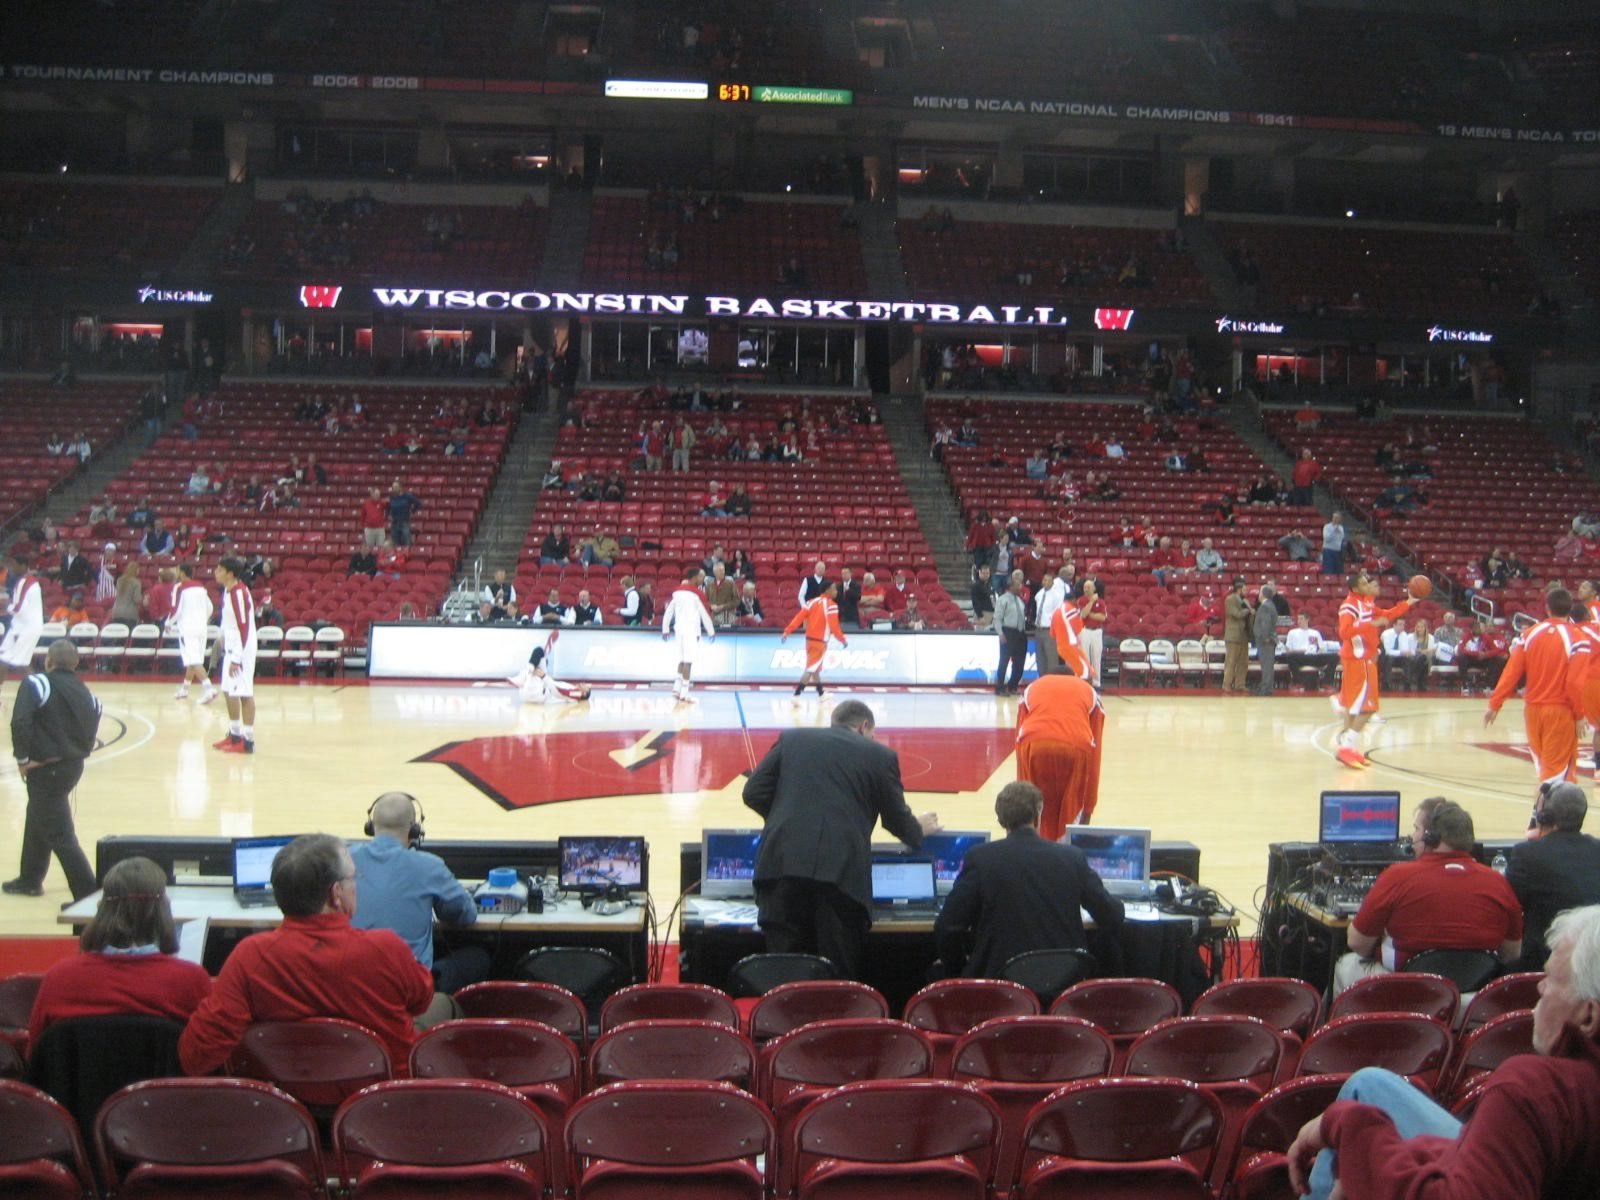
x=1121 y=857
x=252 y=869
x=1360 y=826
x=901 y=884
x=728 y=863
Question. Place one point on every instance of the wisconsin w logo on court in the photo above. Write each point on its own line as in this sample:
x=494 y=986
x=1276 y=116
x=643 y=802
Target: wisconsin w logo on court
x=525 y=770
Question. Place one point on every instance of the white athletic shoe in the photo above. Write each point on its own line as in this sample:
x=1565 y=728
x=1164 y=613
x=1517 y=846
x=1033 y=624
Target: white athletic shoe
x=181 y=694
x=210 y=696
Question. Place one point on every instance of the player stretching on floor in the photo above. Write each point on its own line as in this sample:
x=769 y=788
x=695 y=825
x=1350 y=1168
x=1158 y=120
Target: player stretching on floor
x=820 y=616
x=191 y=613
x=1359 y=623
x=685 y=618
x=538 y=686
x=1554 y=654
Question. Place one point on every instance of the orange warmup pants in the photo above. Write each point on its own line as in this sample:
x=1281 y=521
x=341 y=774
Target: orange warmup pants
x=1069 y=777
x=1553 y=738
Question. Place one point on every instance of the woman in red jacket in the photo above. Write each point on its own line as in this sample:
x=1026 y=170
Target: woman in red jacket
x=127 y=966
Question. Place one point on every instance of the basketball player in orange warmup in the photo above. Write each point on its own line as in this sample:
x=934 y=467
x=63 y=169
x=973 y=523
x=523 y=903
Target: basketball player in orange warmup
x=820 y=616
x=1059 y=734
x=1588 y=622
x=1553 y=655
x=1359 y=622
x=1066 y=629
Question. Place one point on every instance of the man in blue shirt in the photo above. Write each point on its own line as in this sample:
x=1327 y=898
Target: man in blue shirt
x=404 y=888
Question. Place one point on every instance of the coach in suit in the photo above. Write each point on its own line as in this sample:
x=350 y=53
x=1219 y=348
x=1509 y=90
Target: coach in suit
x=1020 y=893
x=820 y=793
x=1558 y=870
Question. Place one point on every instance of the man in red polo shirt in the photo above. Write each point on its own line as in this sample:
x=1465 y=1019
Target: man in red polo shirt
x=1441 y=900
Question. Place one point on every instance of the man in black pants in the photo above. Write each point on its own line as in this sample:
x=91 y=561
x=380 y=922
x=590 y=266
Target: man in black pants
x=821 y=792
x=52 y=731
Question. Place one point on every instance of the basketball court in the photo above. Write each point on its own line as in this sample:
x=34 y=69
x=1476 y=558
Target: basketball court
x=1229 y=774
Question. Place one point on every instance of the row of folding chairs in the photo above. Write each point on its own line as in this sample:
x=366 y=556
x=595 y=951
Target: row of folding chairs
x=119 y=647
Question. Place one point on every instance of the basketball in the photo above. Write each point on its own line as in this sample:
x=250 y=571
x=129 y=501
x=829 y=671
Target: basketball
x=1420 y=587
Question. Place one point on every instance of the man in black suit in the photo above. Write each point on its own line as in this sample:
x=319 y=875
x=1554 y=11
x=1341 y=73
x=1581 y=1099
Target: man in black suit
x=849 y=599
x=1558 y=870
x=74 y=570
x=1020 y=893
x=820 y=792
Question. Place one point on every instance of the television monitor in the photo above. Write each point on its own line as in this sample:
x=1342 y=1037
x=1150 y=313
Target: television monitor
x=901 y=879
x=948 y=849
x=1372 y=817
x=728 y=863
x=1121 y=857
x=593 y=864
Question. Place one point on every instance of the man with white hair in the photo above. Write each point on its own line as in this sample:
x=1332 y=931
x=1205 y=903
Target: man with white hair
x=1535 y=1132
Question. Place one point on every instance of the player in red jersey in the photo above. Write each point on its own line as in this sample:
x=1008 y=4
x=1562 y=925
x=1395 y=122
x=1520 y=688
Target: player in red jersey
x=1360 y=621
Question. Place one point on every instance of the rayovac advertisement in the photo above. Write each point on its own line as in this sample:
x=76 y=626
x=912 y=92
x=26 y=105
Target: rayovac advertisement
x=475 y=652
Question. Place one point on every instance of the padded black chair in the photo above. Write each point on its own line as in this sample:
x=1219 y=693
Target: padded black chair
x=588 y=973
x=83 y=1060
x=1469 y=970
x=1048 y=973
x=758 y=974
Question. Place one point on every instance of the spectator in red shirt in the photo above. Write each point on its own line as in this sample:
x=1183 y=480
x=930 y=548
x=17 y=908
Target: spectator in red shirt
x=895 y=598
x=1202 y=616
x=1303 y=479
x=127 y=965
x=1486 y=650
x=374 y=518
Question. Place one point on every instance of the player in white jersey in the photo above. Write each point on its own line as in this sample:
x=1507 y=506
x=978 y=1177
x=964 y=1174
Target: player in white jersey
x=538 y=686
x=27 y=621
x=191 y=615
x=686 y=617
x=238 y=658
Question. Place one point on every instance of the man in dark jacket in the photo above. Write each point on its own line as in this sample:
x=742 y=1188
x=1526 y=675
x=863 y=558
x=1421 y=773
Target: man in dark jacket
x=1558 y=870
x=820 y=792
x=1020 y=893
x=53 y=730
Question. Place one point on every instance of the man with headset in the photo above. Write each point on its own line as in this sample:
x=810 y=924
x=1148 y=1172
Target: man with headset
x=403 y=888
x=1441 y=900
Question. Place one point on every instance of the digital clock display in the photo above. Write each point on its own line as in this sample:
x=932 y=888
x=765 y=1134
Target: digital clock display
x=733 y=91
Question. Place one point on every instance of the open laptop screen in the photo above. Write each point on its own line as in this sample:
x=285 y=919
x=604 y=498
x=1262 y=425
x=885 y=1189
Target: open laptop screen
x=1121 y=857
x=728 y=862
x=900 y=880
x=1359 y=817
x=252 y=860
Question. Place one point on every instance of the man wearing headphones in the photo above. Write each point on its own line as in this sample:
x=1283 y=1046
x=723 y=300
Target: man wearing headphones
x=403 y=888
x=1441 y=900
x=1558 y=870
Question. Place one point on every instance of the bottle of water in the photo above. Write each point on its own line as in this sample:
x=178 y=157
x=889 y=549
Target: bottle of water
x=1499 y=863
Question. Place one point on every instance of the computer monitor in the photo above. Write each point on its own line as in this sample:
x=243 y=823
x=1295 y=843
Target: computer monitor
x=1121 y=857
x=728 y=863
x=948 y=849
x=901 y=879
x=1359 y=817
x=252 y=860
x=593 y=864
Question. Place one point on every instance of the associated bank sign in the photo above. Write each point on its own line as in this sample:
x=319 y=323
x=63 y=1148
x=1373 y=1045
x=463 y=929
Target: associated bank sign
x=657 y=304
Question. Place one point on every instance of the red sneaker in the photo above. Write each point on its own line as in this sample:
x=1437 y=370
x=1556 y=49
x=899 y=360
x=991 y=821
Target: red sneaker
x=226 y=742
x=239 y=746
x=1351 y=757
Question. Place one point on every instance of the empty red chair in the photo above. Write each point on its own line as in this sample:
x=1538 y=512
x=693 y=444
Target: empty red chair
x=890 y=1139
x=650 y=1139
x=227 y=1137
x=1260 y=1170
x=1402 y=992
x=1415 y=1046
x=434 y=1137
x=1018 y=1061
x=815 y=1058
x=16 y=1006
x=1291 y=1006
x=668 y=1002
x=791 y=1005
x=947 y=1009
x=1151 y=1138
x=543 y=1002
x=1124 y=1008
x=318 y=1061
x=1484 y=1049
x=1509 y=993
x=702 y=1050
x=41 y=1155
